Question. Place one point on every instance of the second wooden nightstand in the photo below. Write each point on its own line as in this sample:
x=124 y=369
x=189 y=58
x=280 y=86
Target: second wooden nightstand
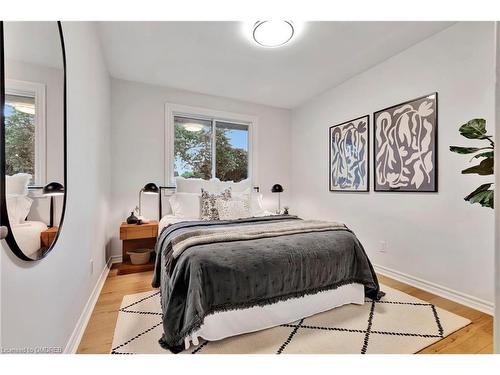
x=48 y=236
x=134 y=237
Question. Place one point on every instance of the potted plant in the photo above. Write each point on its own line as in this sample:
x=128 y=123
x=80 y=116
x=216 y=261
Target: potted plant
x=476 y=129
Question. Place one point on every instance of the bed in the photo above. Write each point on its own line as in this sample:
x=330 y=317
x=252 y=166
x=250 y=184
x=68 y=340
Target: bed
x=221 y=278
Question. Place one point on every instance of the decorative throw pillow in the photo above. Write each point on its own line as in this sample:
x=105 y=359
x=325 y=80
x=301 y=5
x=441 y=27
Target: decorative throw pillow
x=232 y=209
x=208 y=203
x=254 y=200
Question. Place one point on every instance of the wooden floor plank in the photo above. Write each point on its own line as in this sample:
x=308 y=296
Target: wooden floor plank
x=477 y=337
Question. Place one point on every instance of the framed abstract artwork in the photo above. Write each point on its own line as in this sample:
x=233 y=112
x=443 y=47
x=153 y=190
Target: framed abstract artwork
x=405 y=146
x=349 y=153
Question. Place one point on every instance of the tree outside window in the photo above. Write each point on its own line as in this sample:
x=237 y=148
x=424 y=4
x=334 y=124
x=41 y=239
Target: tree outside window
x=194 y=154
x=19 y=135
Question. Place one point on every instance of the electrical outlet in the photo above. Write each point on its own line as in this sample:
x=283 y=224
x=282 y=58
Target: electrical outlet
x=383 y=247
x=91 y=266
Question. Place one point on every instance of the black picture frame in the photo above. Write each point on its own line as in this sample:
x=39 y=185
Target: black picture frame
x=435 y=144
x=367 y=117
x=4 y=216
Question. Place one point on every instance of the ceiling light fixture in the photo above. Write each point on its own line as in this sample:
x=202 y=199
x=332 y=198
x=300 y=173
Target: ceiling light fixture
x=273 y=33
x=25 y=108
x=192 y=127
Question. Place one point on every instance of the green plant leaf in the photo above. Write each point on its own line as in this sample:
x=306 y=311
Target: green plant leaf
x=487 y=154
x=481 y=188
x=464 y=150
x=474 y=129
x=482 y=195
x=484 y=168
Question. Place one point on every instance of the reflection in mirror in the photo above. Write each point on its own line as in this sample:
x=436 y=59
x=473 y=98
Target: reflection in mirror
x=34 y=133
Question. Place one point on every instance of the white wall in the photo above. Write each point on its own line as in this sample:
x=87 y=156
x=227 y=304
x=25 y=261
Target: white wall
x=433 y=236
x=53 y=80
x=496 y=342
x=42 y=301
x=138 y=121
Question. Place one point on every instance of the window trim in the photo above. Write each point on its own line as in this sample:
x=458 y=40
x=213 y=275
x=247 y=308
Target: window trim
x=24 y=88
x=172 y=110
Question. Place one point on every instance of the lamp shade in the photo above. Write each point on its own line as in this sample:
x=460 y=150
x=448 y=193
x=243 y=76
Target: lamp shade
x=277 y=188
x=151 y=188
x=52 y=189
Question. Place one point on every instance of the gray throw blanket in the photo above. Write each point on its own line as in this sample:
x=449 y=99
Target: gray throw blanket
x=204 y=267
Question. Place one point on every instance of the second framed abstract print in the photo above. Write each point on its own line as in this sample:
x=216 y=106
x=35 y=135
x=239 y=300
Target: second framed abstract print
x=405 y=146
x=349 y=153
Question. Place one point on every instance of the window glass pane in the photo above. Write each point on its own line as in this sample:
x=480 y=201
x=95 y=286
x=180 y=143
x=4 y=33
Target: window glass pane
x=231 y=146
x=20 y=135
x=193 y=148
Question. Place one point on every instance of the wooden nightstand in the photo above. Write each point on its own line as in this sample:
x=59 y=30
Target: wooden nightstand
x=48 y=236
x=135 y=236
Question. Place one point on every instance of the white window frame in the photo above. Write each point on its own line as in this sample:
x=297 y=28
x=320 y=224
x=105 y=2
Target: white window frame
x=172 y=110
x=38 y=90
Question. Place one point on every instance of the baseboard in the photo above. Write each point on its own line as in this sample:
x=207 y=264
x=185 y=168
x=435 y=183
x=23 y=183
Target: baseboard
x=81 y=325
x=116 y=259
x=442 y=291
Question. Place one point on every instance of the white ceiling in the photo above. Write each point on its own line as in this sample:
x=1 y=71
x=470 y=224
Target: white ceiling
x=217 y=58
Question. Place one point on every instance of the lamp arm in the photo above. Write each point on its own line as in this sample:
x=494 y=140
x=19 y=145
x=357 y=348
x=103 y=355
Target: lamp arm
x=140 y=202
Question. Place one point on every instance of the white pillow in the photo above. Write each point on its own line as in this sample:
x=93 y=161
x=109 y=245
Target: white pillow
x=256 y=204
x=254 y=201
x=194 y=185
x=17 y=184
x=18 y=208
x=185 y=205
x=236 y=187
x=232 y=209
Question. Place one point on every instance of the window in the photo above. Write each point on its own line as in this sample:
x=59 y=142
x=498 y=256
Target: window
x=203 y=143
x=206 y=148
x=193 y=148
x=19 y=134
x=24 y=113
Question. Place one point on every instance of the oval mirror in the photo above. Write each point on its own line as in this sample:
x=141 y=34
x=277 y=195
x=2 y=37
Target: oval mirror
x=33 y=136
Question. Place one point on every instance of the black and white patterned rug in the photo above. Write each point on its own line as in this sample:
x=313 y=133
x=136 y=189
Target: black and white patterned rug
x=397 y=324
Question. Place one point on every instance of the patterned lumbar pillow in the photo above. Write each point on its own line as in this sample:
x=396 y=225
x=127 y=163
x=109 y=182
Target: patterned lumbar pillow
x=232 y=209
x=208 y=203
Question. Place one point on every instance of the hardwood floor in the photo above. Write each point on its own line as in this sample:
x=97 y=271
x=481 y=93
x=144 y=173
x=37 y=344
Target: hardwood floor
x=475 y=338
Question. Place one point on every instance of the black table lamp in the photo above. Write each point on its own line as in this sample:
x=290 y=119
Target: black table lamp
x=277 y=188
x=52 y=190
x=149 y=188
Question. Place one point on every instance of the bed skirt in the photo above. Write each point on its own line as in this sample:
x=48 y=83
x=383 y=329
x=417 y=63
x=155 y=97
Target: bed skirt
x=225 y=324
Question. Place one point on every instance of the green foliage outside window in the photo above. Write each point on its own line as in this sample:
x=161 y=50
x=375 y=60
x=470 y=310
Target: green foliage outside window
x=19 y=143
x=193 y=150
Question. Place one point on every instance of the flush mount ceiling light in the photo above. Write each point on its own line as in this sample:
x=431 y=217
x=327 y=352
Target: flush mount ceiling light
x=193 y=127
x=24 y=107
x=273 y=33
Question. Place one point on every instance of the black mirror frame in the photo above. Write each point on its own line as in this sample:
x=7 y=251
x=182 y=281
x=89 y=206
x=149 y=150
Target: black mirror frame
x=3 y=212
